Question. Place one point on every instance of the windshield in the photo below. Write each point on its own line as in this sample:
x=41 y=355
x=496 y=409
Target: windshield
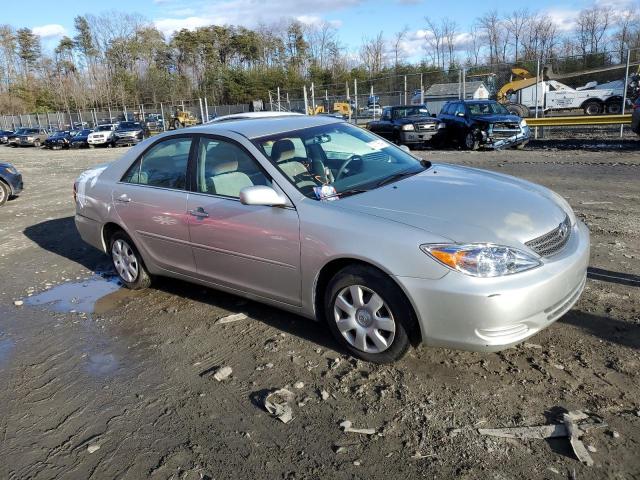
x=411 y=112
x=59 y=134
x=104 y=128
x=488 y=108
x=27 y=131
x=336 y=159
x=86 y=131
x=128 y=125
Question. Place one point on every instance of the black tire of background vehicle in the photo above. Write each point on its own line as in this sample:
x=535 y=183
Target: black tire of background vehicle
x=177 y=124
x=614 y=108
x=143 y=279
x=36 y=143
x=592 y=107
x=391 y=294
x=470 y=141
x=4 y=193
x=396 y=137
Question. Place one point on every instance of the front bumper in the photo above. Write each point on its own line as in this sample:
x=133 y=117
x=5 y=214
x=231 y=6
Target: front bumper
x=99 y=141
x=496 y=143
x=15 y=182
x=416 y=137
x=23 y=142
x=127 y=140
x=491 y=314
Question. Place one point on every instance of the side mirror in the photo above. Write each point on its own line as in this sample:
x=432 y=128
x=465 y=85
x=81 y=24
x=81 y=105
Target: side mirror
x=262 y=195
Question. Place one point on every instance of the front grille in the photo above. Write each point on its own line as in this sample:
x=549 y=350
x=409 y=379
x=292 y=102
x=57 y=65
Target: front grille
x=551 y=243
x=426 y=126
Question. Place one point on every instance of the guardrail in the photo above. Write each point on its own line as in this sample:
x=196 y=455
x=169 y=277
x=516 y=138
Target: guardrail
x=580 y=120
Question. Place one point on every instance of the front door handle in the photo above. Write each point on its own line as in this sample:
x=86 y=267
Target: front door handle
x=199 y=212
x=124 y=198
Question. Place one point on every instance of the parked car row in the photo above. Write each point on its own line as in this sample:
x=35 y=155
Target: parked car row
x=469 y=124
x=106 y=135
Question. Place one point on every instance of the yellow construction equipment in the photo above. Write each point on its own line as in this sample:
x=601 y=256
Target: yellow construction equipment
x=342 y=108
x=182 y=118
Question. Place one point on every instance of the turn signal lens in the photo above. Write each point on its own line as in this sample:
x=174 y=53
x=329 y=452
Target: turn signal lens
x=482 y=260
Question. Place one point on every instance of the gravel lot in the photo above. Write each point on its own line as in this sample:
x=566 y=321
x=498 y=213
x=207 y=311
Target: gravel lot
x=127 y=391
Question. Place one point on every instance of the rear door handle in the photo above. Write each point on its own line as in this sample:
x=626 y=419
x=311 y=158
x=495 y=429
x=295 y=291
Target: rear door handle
x=124 y=198
x=199 y=212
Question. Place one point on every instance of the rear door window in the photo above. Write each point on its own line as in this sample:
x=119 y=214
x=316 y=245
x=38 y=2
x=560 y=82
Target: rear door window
x=163 y=165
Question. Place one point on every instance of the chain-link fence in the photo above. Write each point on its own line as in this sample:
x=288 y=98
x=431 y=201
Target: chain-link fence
x=594 y=84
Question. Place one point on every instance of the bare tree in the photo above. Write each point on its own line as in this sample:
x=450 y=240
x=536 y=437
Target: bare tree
x=516 y=23
x=398 y=52
x=474 y=45
x=434 y=40
x=490 y=25
x=592 y=25
x=372 y=54
x=449 y=30
x=627 y=22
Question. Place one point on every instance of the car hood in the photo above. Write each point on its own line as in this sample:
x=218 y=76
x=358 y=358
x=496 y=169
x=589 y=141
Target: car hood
x=465 y=205
x=416 y=119
x=496 y=118
x=5 y=165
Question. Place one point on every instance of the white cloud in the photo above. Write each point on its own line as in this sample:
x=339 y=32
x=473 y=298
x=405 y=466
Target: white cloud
x=50 y=31
x=250 y=13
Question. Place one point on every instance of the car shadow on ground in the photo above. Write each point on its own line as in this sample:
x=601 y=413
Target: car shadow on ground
x=603 y=145
x=610 y=276
x=606 y=328
x=61 y=237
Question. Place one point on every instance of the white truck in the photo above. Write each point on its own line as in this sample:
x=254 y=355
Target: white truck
x=102 y=135
x=552 y=95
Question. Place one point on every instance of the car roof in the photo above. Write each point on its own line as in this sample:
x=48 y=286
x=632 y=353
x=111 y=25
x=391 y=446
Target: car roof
x=262 y=126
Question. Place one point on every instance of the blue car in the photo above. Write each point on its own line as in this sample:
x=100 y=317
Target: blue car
x=10 y=182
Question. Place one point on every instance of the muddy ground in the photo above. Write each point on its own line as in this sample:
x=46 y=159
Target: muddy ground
x=127 y=391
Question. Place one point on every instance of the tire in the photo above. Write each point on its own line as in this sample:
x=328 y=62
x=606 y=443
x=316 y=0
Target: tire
x=36 y=143
x=470 y=141
x=345 y=320
x=592 y=107
x=4 y=193
x=128 y=262
x=176 y=124
x=614 y=108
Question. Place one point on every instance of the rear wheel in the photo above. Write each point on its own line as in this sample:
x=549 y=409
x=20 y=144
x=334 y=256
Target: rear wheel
x=128 y=262
x=368 y=314
x=36 y=143
x=4 y=193
x=614 y=108
x=592 y=107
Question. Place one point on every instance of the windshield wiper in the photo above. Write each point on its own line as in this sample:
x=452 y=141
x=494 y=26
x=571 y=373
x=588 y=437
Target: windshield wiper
x=346 y=193
x=396 y=176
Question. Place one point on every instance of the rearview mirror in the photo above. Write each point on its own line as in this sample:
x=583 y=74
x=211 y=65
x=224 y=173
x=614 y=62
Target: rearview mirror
x=262 y=195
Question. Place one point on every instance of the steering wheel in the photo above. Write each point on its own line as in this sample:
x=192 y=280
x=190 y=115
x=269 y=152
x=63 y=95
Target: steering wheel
x=344 y=166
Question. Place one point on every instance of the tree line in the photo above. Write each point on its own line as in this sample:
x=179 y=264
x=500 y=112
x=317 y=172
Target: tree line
x=117 y=58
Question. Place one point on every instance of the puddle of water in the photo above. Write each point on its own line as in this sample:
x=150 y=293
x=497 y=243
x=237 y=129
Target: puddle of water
x=6 y=348
x=77 y=296
x=100 y=364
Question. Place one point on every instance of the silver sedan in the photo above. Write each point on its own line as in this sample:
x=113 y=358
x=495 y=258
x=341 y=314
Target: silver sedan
x=329 y=221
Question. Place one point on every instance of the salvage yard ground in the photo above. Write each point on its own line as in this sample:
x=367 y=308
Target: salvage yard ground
x=129 y=391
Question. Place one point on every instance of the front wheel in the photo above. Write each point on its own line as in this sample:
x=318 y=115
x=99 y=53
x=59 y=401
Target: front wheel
x=368 y=314
x=470 y=141
x=4 y=193
x=592 y=108
x=128 y=263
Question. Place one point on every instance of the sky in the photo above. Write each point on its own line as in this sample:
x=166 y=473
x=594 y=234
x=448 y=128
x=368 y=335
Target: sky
x=354 y=19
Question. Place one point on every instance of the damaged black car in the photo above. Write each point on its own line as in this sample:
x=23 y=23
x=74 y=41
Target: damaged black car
x=474 y=124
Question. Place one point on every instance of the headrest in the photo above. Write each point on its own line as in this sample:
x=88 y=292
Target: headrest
x=225 y=167
x=283 y=150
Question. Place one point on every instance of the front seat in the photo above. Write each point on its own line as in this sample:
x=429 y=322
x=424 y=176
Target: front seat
x=227 y=180
x=283 y=154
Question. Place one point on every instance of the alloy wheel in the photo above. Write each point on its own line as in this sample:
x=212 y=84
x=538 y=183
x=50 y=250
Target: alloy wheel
x=364 y=319
x=125 y=261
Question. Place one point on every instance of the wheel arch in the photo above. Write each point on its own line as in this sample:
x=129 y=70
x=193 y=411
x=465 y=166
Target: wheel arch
x=108 y=229
x=592 y=100
x=328 y=271
x=7 y=184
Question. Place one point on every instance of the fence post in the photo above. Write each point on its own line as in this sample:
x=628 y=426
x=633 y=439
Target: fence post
x=464 y=83
x=288 y=102
x=355 y=94
x=206 y=108
x=421 y=91
x=279 y=105
x=536 y=94
x=306 y=100
x=164 y=123
x=313 y=97
x=626 y=82
x=405 y=89
x=374 y=102
x=201 y=110
x=270 y=101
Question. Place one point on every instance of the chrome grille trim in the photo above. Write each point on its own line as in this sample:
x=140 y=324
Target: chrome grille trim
x=552 y=242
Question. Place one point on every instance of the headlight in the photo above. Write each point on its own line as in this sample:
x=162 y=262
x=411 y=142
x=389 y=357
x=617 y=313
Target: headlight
x=441 y=125
x=408 y=127
x=523 y=123
x=30 y=139
x=482 y=260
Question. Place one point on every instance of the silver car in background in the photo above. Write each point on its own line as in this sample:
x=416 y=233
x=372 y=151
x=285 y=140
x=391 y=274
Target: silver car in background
x=327 y=220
